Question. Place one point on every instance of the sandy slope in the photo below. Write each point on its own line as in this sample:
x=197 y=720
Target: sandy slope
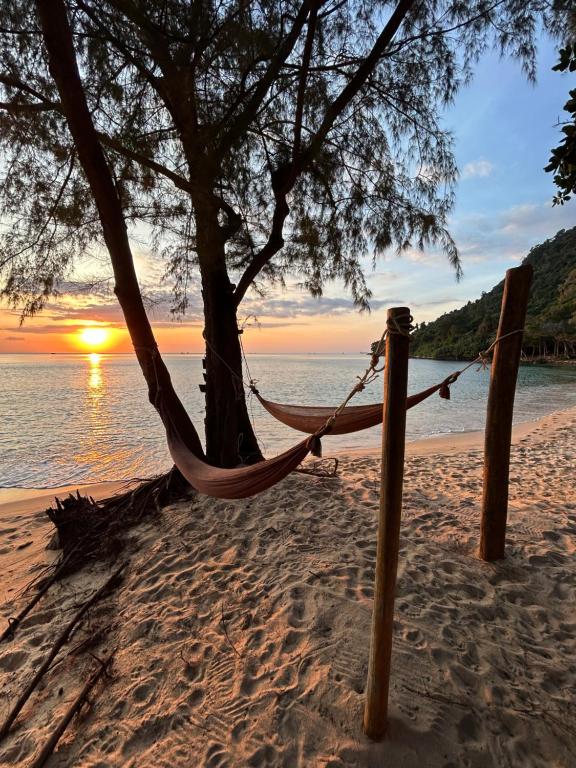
x=242 y=627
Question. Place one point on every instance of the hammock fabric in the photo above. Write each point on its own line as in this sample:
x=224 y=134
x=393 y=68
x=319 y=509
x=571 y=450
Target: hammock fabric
x=247 y=481
x=236 y=483
x=352 y=419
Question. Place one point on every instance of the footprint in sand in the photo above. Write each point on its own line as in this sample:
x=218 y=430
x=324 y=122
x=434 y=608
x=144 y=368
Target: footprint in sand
x=414 y=637
x=264 y=756
x=292 y=640
x=194 y=672
x=216 y=757
x=10 y=662
x=196 y=697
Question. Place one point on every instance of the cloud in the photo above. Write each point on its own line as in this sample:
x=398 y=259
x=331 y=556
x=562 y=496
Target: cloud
x=382 y=275
x=477 y=168
x=511 y=233
x=41 y=329
x=94 y=308
x=307 y=306
x=12 y=338
x=436 y=302
x=259 y=325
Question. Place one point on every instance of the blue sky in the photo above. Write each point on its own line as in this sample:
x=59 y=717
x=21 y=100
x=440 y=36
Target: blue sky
x=504 y=128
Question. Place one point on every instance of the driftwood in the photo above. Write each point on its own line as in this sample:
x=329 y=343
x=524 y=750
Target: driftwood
x=75 y=707
x=61 y=639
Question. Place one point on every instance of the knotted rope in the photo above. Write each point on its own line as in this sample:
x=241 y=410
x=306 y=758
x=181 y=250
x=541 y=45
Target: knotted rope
x=482 y=357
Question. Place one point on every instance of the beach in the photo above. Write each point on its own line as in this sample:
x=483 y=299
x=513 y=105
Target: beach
x=241 y=629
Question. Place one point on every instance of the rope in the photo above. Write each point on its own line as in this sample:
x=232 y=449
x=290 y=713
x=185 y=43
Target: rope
x=250 y=379
x=403 y=330
x=482 y=357
x=393 y=325
x=235 y=376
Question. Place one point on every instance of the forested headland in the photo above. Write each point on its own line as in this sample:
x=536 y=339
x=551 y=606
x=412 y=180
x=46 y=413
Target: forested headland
x=550 y=324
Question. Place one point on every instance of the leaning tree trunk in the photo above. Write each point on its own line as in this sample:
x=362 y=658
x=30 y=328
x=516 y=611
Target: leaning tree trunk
x=57 y=36
x=229 y=434
x=230 y=438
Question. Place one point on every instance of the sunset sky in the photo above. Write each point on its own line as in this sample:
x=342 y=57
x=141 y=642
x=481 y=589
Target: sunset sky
x=504 y=130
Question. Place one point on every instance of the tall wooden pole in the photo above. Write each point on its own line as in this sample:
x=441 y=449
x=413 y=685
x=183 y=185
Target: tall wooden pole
x=498 y=436
x=392 y=476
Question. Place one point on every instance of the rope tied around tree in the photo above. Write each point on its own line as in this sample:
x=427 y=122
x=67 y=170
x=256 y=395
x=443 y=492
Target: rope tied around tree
x=239 y=391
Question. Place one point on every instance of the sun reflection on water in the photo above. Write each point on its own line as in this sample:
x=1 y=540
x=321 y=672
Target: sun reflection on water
x=96 y=417
x=95 y=380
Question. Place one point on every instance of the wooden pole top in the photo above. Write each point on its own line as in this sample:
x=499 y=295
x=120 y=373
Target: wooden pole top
x=399 y=320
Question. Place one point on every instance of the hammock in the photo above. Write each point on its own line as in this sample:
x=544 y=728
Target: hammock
x=242 y=482
x=352 y=419
x=236 y=483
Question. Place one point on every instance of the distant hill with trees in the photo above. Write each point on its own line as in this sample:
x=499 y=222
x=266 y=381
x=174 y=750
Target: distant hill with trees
x=551 y=320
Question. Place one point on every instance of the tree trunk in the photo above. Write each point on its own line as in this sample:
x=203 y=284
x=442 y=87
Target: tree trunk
x=230 y=439
x=64 y=69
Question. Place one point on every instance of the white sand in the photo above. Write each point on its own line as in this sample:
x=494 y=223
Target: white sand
x=243 y=627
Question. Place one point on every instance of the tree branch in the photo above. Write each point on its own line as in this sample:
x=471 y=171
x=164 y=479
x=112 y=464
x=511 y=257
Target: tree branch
x=283 y=179
x=352 y=88
x=275 y=240
x=179 y=181
x=15 y=107
x=306 y=56
x=276 y=63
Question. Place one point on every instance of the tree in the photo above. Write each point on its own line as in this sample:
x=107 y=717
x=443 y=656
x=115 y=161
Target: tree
x=252 y=139
x=463 y=333
x=563 y=160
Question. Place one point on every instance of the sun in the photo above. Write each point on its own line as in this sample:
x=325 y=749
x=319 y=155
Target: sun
x=94 y=338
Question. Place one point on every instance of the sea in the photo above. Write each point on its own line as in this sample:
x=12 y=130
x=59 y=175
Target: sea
x=67 y=419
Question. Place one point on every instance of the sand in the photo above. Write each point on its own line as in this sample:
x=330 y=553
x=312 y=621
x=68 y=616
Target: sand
x=242 y=628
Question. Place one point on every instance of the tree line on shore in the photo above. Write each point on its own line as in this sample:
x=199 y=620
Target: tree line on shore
x=550 y=331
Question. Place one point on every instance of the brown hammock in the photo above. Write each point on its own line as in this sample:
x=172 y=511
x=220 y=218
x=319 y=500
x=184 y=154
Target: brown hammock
x=241 y=482
x=236 y=483
x=352 y=419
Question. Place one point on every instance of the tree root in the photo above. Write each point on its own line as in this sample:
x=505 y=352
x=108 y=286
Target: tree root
x=92 y=530
x=87 y=530
x=13 y=622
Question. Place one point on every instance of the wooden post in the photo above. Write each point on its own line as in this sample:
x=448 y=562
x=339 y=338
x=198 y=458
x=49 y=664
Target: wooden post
x=498 y=434
x=392 y=476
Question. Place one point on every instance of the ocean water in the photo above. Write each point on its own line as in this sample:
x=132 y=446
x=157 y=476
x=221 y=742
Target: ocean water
x=68 y=419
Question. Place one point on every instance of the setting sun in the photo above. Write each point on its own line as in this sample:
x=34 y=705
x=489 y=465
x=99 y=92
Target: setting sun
x=94 y=337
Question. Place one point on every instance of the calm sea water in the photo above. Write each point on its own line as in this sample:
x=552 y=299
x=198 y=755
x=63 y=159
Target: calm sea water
x=85 y=418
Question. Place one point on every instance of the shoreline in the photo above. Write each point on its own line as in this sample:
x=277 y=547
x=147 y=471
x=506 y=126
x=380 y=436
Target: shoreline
x=456 y=442
x=22 y=500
